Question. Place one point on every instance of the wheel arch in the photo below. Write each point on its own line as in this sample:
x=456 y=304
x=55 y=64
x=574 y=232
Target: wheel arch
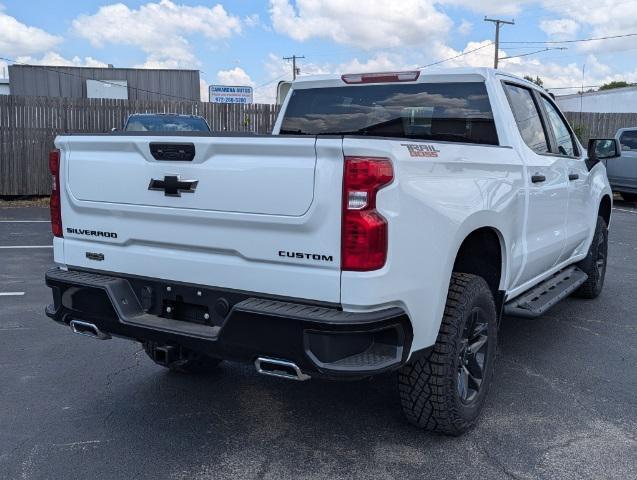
x=605 y=208
x=483 y=252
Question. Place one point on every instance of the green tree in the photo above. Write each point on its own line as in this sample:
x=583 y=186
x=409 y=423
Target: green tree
x=611 y=85
x=537 y=80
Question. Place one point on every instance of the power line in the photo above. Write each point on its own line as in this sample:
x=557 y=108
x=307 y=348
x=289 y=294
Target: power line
x=106 y=82
x=270 y=81
x=532 y=53
x=575 y=41
x=498 y=23
x=457 y=56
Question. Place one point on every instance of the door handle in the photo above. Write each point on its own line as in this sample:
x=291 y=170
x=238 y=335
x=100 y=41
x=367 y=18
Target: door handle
x=573 y=176
x=538 y=178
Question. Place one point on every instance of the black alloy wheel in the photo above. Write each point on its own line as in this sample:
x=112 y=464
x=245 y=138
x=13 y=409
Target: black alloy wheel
x=473 y=355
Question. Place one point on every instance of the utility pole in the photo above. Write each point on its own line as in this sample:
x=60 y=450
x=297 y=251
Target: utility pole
x=497 y=22
x=295 y=71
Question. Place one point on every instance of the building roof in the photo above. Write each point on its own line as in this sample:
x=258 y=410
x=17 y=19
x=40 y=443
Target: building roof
x=612 y=91
x=73 y=67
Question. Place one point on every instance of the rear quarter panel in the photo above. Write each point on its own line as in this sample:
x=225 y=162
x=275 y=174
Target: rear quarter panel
x=432 y=205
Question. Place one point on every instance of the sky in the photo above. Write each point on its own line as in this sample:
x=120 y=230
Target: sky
x=243 y=42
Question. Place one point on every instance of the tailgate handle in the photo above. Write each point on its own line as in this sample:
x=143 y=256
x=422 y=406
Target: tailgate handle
x=172 y=152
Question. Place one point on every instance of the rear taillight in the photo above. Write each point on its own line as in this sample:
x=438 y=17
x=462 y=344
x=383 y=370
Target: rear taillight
x=56 y=210
x=364 y=230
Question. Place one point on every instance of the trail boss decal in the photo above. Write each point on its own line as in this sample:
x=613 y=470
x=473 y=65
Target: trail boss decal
x=307 y=256
x=421 y=150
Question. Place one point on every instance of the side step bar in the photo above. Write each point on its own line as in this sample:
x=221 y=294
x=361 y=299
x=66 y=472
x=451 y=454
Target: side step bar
x=540 y=298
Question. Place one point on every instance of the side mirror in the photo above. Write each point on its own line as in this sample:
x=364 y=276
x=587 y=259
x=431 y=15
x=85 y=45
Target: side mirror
x=603 y=149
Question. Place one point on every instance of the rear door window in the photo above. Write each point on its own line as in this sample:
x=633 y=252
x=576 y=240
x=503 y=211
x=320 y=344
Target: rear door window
x=456 y=112
x=561 y=132
x=527 y=117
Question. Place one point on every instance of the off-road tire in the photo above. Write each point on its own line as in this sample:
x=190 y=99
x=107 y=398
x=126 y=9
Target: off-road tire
x=629 y=197
x=597 y=252
x=429 y=386
x=191 y=362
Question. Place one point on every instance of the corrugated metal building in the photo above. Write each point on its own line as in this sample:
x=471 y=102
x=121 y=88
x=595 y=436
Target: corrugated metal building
x=71 y=82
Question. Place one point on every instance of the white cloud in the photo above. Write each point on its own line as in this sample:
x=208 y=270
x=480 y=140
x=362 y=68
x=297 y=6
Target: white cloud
x=604 y=18
x=203 y=90
x=562 y=28
x=465 y=27
x=252 y=20
x=55 y=59
x=383 y=62
x=16 y=38
x=238 y=76
x=368 y=25
x=553 y=72
x=234 y=76
x=491 y=7
x=159 y=29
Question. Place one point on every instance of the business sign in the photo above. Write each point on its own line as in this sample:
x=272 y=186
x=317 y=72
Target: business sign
x=229 y=94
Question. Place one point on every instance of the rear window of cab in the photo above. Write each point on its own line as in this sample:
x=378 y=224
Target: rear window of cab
x=456 y=112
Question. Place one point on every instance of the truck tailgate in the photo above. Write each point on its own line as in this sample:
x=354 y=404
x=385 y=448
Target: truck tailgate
x=264 y=215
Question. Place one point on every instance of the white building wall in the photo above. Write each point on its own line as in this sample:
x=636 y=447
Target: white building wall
x=619 y=100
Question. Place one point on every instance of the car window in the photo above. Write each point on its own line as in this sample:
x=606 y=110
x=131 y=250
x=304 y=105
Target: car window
x=528 y=118
x=562 y=134
x=628 y=140
x=448 y=111
x=166 y=123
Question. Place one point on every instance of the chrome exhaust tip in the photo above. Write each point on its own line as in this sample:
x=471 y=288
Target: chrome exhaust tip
x=88 y=329
x=280 y=369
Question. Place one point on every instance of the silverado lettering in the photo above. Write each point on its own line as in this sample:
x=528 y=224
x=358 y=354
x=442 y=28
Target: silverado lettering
x=91 y=233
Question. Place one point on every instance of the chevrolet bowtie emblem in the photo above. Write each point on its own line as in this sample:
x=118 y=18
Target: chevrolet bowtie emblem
x=173 y=186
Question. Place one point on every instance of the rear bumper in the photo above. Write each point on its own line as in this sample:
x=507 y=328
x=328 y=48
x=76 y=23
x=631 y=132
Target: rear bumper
x=323 y=341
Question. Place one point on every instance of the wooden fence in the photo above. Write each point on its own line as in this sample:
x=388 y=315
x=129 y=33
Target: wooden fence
x=599 y=125
x=28 y=126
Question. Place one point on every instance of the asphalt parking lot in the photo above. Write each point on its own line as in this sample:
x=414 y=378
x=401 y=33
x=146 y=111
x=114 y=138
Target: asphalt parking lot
x=563 y=404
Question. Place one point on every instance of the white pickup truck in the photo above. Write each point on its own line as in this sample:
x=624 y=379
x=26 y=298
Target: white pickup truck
x=385 y=226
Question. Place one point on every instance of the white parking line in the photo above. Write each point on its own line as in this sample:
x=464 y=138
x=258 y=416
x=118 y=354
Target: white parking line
x=25 y=221
x=8 y=247
x=625 y=210
x=11 y=294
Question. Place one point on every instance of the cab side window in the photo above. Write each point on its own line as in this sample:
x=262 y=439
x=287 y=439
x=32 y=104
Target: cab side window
x=527 y=117
x=628 y=140
x=561 y=132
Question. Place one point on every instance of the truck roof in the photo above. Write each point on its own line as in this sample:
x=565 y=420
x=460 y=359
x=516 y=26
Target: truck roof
x=466 y=74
